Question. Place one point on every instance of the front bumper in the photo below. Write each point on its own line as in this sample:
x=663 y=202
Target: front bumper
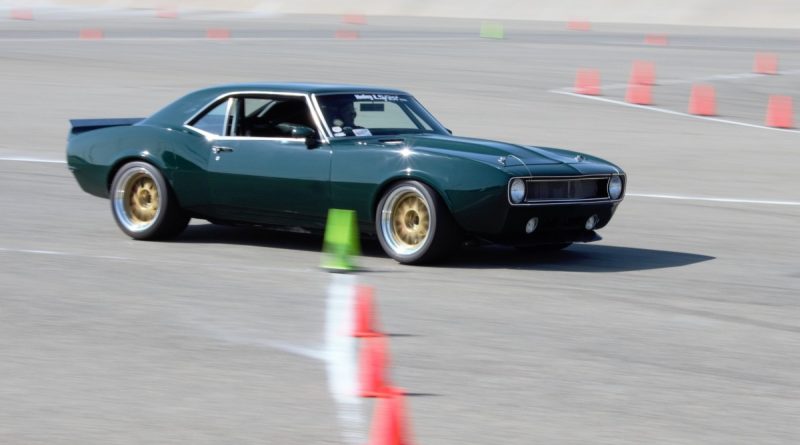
x=556 y=223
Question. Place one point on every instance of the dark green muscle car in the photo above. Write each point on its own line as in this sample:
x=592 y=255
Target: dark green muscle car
x=281 y=155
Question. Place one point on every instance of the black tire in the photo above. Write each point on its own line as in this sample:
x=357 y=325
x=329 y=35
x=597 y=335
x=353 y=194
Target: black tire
x=414 y=226
x=143 y=204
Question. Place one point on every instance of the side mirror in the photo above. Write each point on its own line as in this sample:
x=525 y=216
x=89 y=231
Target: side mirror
x=301 y=131
x=308 y=133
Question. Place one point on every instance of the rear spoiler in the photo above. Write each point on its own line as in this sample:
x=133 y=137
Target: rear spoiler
x=83 y=125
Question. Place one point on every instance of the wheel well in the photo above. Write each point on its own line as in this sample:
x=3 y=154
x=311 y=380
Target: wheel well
x=390 y=183
x=118 y=165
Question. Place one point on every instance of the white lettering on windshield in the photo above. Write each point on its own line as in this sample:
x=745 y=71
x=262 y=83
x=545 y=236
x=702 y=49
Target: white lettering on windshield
x=385 y=97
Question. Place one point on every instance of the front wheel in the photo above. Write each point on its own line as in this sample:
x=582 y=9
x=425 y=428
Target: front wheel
x=143 y=204
x=414 y=226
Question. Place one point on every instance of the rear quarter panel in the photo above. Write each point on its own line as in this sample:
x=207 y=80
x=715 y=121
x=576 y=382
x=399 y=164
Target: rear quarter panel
x=181 y=156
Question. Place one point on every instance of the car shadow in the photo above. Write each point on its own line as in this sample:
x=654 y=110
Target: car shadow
x=595 y=258
x=254 y=236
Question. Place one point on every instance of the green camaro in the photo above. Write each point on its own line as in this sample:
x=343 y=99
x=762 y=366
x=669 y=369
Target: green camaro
x=281 y=155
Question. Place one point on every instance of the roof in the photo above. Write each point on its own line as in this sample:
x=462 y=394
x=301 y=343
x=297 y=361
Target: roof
x=182 y=109
x=303 y=87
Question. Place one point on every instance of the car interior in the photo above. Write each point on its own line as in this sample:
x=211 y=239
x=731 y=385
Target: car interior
x=271 y=119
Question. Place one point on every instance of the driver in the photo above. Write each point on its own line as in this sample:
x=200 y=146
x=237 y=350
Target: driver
x=340 y=113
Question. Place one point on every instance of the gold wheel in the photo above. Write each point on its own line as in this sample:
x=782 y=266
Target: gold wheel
x=406 y=220
x=142 y=200
x=137 y=199
x=410 y=220
x=143 y=204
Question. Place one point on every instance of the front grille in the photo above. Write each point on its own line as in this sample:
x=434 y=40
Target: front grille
x=566 y=189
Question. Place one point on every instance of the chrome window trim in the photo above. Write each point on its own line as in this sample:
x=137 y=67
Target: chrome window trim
x=228 y=107
x=566 y=201
x=210 y=106
x=231 y=95
x=319 y=116
x=258 y=138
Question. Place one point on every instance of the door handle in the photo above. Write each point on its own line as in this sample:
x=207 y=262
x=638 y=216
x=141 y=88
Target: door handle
x=216 y=149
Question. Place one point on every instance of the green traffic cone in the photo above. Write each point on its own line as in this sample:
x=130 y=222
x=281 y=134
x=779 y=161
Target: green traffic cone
x=492 y=31
x=341 y=241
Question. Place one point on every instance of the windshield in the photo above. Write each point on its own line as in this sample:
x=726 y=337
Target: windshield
x=367 y=114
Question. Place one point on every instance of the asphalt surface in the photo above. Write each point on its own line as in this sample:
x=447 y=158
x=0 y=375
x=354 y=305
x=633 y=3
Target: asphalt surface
x=680 y=327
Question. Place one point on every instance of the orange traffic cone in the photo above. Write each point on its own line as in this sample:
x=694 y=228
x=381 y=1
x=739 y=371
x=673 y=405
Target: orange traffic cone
x=779 y=112
x=90 y=34
x=579 y=25
x=643 y=73
x=702 y=102
x=346 y=34
x=167 y=13
x=389 y=425
x=218 y=33
x=354 y=19
x=765 y=63
x=639 y=94
x=374 y=361
x=21 y=14
x=656 y=39
x=587 y=81
x=364 y=316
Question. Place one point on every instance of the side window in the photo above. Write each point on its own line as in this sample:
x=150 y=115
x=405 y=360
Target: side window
x=271 y=117
x=213 y=121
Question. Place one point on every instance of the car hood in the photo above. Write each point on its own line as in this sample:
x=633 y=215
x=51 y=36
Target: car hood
x=514 y=158
x=489 y=151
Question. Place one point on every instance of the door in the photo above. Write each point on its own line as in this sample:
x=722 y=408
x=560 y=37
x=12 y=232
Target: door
x=259 y=173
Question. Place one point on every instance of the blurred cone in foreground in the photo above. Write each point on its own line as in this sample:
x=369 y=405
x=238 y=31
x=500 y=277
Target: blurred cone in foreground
x=341 y=242
x=643 y=73
x=587 y=81
x=779 y=112
x=374 y=361
x=702 y=102
x=766 y=63
x=365 y=314
x=389 y=423
x=21 y=14
x=639 y=94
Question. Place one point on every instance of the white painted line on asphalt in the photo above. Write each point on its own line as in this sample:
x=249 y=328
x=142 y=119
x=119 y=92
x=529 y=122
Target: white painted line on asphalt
x=676 y=113
x=341 y=349
x=56 y=253
x=712 y=199
x=25 y=159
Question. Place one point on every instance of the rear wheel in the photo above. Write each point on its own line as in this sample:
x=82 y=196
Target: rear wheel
x=413 y=224
x=143 y=204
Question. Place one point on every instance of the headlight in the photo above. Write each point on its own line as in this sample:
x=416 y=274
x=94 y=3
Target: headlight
x=517 y=191
x=615 y=187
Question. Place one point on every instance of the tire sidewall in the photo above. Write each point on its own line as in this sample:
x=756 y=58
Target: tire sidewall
x=433 y=210
x=163 y=195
